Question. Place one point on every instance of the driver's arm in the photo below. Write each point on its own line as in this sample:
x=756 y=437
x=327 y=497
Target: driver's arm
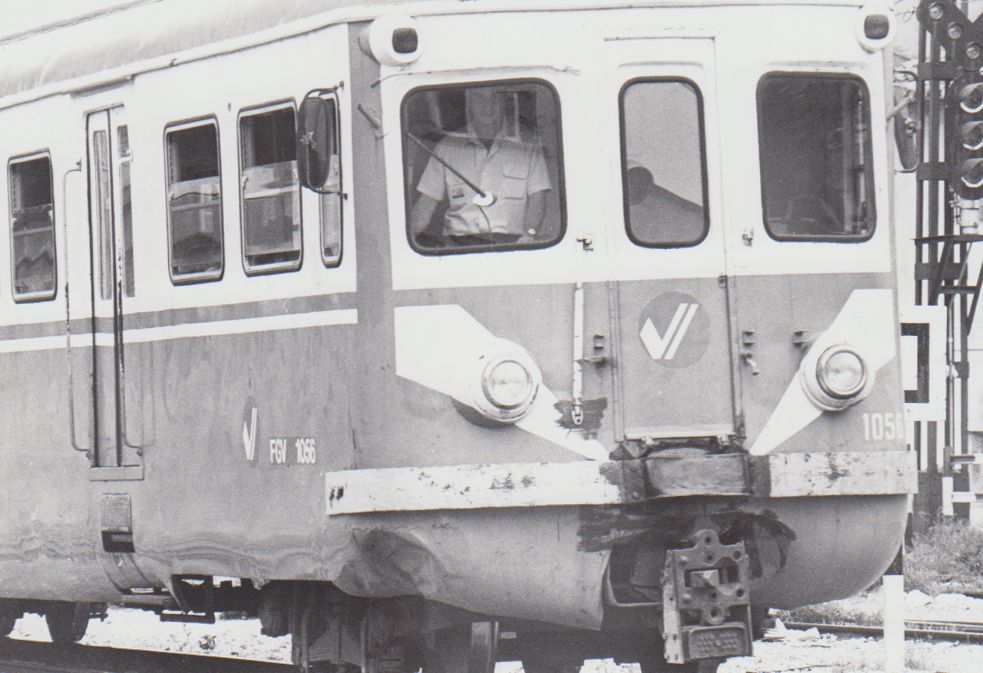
x=535 y=211
x=421 y=213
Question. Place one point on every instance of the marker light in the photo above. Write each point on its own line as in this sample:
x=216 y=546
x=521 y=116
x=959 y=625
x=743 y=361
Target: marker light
x=405 y=40
x=392 y=39
x=841 y=372
x=505 y=385
x=836 y=377
x=875 y=26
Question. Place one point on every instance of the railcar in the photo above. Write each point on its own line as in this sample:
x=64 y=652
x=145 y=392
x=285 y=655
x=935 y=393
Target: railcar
x=648 y=389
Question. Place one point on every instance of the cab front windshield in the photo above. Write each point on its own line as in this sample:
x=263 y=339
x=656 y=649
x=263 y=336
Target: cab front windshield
x=816 y=157
x=482 y=167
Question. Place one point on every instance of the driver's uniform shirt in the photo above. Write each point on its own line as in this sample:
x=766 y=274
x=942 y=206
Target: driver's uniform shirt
x=509 y=169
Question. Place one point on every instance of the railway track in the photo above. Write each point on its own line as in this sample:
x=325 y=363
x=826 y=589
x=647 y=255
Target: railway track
x=32 y=657
x=971 y=632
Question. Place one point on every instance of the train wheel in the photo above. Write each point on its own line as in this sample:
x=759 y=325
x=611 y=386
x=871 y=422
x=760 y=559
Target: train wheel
x=463 y=649
x=67 y=622
x=7 y=622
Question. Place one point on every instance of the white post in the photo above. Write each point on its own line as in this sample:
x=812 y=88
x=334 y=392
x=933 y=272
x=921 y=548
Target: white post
x=894 y=644
x=947 y=509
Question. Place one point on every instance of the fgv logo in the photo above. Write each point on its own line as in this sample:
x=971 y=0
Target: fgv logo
x=674 y=328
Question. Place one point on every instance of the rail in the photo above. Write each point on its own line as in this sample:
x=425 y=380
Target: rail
x=914 y=628
x=18 y=656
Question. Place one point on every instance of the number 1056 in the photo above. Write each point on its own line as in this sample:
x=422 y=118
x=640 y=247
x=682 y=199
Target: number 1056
x=887 y=426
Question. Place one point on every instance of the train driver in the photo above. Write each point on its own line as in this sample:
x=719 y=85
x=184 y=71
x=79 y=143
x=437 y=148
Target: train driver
x=512 y=174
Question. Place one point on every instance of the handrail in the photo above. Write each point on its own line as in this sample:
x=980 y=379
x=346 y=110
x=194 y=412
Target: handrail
x=68 y=315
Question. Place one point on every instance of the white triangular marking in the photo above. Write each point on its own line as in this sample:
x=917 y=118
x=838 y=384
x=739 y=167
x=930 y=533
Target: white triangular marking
x=657 y=344
x=681 y=332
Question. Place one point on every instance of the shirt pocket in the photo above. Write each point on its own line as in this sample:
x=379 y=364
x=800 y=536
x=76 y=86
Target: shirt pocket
x=458 y=191
x=514 y=181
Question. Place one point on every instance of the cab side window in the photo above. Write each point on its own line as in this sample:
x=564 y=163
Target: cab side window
x=32 y=228
x=483 y=167
x=271 y=224
x=194 y=197
x=816 y=159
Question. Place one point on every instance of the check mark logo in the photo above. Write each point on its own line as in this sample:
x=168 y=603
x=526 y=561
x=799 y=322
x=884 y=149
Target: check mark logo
x=249 y=436
x=664 y=346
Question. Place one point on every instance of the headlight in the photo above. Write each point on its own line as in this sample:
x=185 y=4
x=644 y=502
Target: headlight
x=841 y=372
x=506 y=383
x=504 y=387
x=836 y=378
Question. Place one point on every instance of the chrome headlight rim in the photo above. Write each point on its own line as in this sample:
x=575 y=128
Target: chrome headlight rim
x=822 y=374
x=819 y=392
x=482 y=396
x=487 y=384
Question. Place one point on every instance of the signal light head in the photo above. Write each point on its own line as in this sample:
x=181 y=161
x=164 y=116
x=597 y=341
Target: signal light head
x=971 y=135
x=971 y=173
x=971 y=98
x=964 y=131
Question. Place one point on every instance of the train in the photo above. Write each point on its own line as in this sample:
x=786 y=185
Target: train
x=439 y=333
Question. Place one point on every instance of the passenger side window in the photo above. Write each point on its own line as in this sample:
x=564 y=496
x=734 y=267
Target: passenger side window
x=663 y=163
x=816 y=157
x=194 y=196
x=32 y=228
x=271 y=224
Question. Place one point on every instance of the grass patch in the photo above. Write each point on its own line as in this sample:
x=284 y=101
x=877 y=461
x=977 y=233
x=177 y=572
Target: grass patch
x=834 y=612
x=948 y=558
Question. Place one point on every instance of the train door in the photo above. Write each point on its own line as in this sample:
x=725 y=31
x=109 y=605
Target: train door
x=111 y=240
x=675 y=378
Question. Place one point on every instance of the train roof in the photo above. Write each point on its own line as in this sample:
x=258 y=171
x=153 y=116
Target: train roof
x=140 y=32
x=107 y=45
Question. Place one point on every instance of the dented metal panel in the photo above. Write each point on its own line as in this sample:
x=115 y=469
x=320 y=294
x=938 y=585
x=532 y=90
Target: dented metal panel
x=724 y=474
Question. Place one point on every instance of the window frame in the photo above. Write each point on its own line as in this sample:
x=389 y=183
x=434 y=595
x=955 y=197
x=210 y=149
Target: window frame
x=409 y=191
x=201 y=276
x=704 y=170
x=276 y=267
x=46 y=295
x=869 y=180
